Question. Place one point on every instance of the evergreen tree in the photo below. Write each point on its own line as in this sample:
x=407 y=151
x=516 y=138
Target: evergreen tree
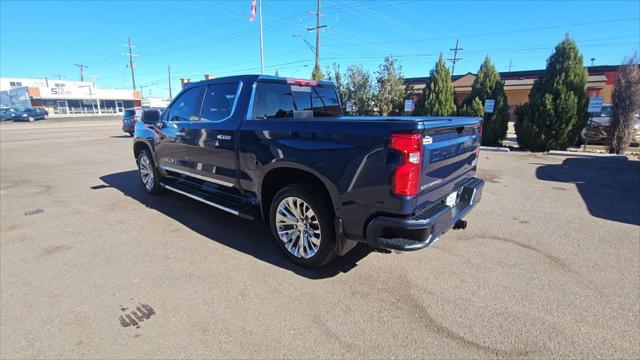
x=316 y=74
x=440 y=97
x=476 y=108
x=391 y=89
x=277 y=73
x=488 y=85
x=419 y=109
x=557 y=109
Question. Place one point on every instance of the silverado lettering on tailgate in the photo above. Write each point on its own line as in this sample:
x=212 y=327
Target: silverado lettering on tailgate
x=449 y=152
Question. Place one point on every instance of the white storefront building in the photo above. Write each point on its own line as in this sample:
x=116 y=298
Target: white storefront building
x=62 y=97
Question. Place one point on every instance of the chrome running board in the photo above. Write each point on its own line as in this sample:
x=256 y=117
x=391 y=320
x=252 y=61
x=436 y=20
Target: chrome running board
x=234 y=212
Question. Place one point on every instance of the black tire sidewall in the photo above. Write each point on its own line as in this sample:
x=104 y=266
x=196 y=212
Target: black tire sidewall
x=156 y=188
x=321 y=207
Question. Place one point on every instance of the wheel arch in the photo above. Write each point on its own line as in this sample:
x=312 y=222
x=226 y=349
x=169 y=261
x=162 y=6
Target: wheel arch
x=140 y=145
x=278 y=177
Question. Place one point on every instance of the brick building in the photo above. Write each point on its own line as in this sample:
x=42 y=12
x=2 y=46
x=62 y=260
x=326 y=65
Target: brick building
x=518 y=84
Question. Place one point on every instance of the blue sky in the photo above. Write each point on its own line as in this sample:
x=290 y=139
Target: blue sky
x=44 y=38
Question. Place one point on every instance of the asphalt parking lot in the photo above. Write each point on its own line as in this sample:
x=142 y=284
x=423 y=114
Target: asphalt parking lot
x=548 y=267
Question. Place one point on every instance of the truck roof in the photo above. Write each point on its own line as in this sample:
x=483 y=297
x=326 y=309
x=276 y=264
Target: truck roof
x=251 y=78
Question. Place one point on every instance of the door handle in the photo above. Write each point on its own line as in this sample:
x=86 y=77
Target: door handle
x=181 y=133
x=223 y=137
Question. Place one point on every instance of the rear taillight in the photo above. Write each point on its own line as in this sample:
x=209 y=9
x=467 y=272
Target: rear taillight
x=302 y=82
x=133 y=119
x=406 y=177
x=475 y=161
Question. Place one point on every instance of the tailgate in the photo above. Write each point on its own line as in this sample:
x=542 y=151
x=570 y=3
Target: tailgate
x=449 y=153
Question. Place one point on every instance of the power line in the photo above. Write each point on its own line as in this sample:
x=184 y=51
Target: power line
x=455 y=58
x=82 y=67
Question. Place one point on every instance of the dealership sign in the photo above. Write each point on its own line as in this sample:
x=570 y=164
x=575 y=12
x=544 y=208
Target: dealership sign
x=595 y=104
x=489 y=104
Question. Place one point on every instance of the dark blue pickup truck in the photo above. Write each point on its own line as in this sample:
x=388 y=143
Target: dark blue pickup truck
x=279 y=149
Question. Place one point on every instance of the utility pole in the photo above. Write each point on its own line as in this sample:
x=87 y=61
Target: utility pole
x=82 y=67
x=170 y=95
x=131 y=65
x=318 y=36
x=455 y=58
x=509 y=66
x=317 y=29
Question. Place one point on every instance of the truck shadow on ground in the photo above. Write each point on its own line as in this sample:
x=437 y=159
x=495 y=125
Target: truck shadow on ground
x=609 y=188
x=250 y=237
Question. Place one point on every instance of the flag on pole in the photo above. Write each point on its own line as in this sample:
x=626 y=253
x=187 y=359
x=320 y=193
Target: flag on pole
x=253 y=11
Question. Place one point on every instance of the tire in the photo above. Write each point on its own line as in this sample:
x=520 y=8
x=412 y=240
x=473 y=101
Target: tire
x=130 y=133
x=318 y=246
x=148 y=173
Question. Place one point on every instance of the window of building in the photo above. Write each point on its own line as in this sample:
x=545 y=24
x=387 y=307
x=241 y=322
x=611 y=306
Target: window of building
x=273 y=101
x=187 y=106
x=218 y=101
x=15 y=83
x=59 y=85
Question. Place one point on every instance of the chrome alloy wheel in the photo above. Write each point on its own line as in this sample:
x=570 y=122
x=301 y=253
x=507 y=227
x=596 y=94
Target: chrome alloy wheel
x=146 y=172
x=298 y=227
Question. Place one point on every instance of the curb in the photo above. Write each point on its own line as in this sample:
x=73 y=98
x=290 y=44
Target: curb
x=588 y=155
x=494 y=148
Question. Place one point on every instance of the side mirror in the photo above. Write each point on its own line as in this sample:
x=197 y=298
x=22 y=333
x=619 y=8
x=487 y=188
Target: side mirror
x=151 y=116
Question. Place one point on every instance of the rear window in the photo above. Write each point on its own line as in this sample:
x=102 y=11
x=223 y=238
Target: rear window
x=275 y=101
x=129 y=113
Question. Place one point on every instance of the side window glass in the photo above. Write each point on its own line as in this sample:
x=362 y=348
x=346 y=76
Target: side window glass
x=186 y=107
x=165 y=115
x=272 y=101
x=218 y=101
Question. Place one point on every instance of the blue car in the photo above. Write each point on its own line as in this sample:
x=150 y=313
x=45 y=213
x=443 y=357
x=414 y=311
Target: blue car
x=30 y=114
x=7 y=114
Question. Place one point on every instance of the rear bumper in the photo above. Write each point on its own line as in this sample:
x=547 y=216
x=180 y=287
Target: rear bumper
x=427 y=225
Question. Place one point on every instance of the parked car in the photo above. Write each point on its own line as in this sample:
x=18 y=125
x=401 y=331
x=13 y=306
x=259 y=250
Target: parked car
x=277 y=149
x=30 y=114
x=129 y=119
x=7 y=114
x=131 y=116
x=598 y=129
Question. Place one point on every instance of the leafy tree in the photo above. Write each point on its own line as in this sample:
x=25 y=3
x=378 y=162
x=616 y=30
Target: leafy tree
x=358 y=89
x=336 y=76
x=557 y=109
x=488 y=85
x=440 y=97
x=391 y=88
x=316 y=74
x=626 y=102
